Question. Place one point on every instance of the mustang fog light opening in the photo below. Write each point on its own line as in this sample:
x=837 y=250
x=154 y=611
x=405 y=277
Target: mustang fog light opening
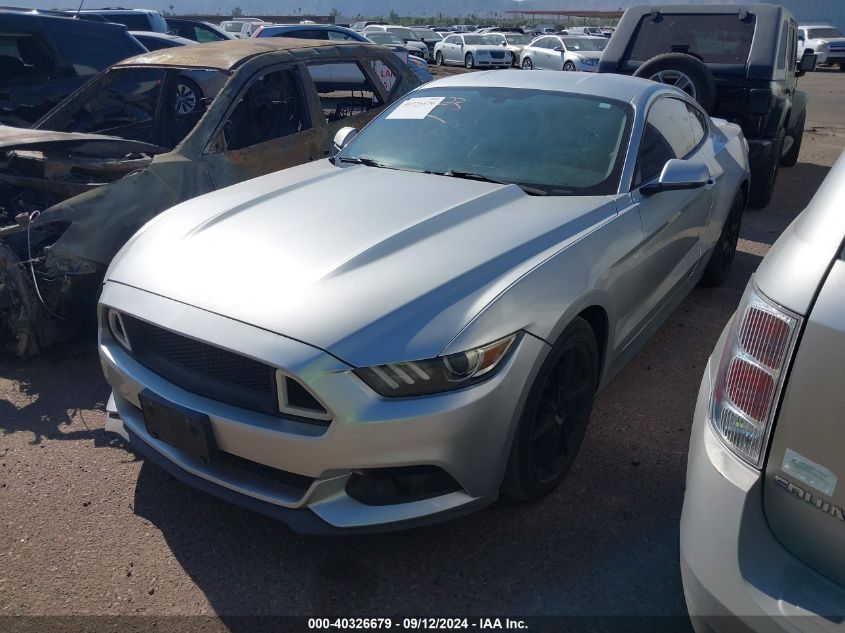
x=749 y=379
x=435 y=375
x=117 y=328
x=391 y=486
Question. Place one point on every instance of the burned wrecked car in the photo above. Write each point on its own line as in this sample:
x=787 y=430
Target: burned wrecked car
x=79 y=184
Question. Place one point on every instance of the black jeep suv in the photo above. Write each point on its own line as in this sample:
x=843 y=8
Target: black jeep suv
x=738 y=62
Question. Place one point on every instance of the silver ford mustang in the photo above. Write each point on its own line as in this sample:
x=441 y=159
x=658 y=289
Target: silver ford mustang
x=398 y=334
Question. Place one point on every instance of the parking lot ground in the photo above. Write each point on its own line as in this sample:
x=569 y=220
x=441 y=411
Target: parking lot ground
x=87 y=529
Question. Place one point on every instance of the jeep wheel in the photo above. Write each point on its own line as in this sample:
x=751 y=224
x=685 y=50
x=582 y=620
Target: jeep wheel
x=764 y=175
x=685 y=72
x=791 y=156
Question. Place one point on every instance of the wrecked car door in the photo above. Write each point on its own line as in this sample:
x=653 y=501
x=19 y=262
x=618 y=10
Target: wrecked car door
x=268 y=128
x=348 y=93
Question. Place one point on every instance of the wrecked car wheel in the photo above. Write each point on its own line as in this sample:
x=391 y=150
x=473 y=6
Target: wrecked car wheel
x=684 y=72
x=188 y=97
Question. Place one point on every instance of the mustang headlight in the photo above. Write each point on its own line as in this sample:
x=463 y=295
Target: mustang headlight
x=434 y=375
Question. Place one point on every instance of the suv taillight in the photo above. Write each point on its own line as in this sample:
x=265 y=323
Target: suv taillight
x=750 y=375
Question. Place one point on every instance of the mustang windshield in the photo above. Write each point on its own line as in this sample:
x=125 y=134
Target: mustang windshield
x=559 y=143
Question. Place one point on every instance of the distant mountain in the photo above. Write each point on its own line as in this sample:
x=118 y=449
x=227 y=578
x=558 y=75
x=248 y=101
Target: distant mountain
x=351 y=8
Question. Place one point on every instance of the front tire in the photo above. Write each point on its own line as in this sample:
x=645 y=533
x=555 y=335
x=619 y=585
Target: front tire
x=555 y=416
x=722 y=258
x=438 y=58
x=569 y=67
x=469 y=61
x=527 y=64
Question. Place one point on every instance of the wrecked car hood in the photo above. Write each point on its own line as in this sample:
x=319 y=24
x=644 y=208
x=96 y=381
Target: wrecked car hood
x=28 y=138
x=352 y=260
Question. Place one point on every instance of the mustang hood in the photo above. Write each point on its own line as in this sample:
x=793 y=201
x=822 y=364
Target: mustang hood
x=372 y=265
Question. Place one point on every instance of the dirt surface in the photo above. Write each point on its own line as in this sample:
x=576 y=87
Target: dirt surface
x=87 y=529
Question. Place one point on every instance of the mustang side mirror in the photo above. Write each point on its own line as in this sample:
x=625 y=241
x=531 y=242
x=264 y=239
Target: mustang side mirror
x=678 y=175
x=807 y=63
x=343 y=136
x=558 y=49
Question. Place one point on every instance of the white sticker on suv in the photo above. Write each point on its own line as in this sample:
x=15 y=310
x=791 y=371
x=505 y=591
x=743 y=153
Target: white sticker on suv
x=813 y=474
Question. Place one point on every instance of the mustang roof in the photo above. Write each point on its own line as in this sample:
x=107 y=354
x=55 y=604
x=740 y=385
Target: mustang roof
x=619 y=87
x=230 y=54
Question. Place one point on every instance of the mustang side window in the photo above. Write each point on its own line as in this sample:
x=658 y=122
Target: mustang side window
x=344 y=90
x=272 y=107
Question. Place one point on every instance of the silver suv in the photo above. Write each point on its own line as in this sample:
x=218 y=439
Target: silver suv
x=763 y=524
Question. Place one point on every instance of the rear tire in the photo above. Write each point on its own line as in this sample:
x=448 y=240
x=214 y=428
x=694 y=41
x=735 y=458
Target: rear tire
x=527 y=64
x=555 y=417
x=722 y=258
x=791 y=157
x=763 y=177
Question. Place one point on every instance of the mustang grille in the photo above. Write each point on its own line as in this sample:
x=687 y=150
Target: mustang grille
x=208 y=370
x=497 y=54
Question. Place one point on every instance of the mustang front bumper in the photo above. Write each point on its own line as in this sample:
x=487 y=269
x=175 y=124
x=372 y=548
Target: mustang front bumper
x=466 y=433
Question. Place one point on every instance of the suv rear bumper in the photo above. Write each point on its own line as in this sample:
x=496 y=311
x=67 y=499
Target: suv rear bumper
x=736 y=575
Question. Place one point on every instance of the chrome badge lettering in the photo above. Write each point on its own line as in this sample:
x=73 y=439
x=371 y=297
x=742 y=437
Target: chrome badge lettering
x=814 y=500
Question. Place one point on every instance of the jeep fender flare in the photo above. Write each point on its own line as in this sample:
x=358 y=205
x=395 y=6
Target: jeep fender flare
x=778 y=117
x=799 y=105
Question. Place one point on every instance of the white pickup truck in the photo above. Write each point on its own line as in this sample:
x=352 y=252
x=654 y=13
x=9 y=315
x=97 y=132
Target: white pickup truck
x=826 y=41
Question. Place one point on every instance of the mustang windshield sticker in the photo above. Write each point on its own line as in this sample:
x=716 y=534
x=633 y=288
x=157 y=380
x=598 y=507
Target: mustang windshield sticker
x=416 y=108
x=813 y=474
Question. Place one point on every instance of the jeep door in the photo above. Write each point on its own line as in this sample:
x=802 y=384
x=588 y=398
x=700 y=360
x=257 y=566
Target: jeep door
x=672 y=221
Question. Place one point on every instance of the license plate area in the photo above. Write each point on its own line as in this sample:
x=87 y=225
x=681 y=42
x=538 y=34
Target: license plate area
x=185 y=430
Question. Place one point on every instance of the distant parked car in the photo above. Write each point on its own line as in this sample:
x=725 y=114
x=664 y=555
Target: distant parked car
x=360 y=26
x=827 y=42
x=471 y=51
x=762 y=542
x=310 y=32
x=44 y=57
x=132 y=19
x=154 y=41
x=239 y=28
x=391 y=41
x=514 y=42
x=406 y=332
x=563 y=52
x=420 y=68
x=197 y=31
x=594 y=31
x=414 y=44
x=429 y=38
x=113 y=155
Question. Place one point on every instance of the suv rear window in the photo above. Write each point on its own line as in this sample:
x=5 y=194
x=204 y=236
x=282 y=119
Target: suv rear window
x=715 y=39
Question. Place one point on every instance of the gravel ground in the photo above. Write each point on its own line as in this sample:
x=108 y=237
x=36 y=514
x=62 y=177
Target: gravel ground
x=87 y=529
